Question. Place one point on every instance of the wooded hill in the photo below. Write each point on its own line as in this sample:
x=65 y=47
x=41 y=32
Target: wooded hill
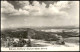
x=23 y=32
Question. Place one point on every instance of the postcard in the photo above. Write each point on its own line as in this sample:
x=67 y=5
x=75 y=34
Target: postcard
x=39 y=25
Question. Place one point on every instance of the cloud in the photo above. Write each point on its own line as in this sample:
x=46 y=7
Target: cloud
x=61 y=13
x=23 y=3
x=20 y=12
x=74 y=14
x=62 y=5
x=36 y=9
x=7 y=7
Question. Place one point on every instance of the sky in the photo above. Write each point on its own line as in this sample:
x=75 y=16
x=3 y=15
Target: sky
x=39 y=14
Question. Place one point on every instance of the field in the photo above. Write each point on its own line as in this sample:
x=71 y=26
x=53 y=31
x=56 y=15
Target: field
x=69 y=42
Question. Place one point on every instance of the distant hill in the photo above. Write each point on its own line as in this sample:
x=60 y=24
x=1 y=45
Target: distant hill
x=64 y=27
x=38 y=28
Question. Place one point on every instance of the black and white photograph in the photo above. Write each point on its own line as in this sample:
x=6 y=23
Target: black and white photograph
x=40 y=24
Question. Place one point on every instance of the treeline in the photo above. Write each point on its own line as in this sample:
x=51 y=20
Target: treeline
x=35 y=34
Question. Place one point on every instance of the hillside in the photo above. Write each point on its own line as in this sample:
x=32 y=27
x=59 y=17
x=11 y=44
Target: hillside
x=23 y=32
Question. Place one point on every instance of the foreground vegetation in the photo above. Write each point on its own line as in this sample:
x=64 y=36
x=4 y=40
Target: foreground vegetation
x=38 y=35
